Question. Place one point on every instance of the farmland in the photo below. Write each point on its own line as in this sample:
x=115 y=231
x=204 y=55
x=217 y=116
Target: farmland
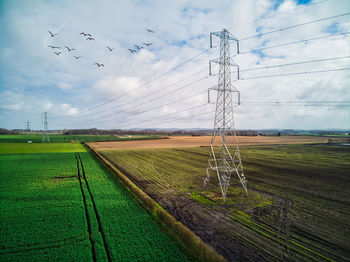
x=59 y=203
x=297 y=208
x=189 y=141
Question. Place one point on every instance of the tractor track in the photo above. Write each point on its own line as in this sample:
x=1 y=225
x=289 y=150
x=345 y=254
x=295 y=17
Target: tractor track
x=86 y=211
x=100 y=229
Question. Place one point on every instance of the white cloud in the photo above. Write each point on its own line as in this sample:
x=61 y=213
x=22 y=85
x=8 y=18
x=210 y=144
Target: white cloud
x=68 y=110
x=64 y=86
x=33 y=72
x=116 y=86
x=47 y=106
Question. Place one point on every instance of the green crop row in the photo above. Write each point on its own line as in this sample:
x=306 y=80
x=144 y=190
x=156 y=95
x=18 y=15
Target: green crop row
x=42 y=148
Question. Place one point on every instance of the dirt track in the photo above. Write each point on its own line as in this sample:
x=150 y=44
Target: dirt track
x=190 y=141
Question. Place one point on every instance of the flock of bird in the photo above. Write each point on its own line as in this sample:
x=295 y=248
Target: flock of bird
x=90 y=38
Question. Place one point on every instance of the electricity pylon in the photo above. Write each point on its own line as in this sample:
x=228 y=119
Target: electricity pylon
x=225 y=159
x=46 y=138
x=27 y=126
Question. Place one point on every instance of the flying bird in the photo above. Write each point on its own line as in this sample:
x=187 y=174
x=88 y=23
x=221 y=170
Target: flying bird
x=98 y=65
x=110 y=49
x=69 y=49
x=82 y=33
x=57 y=53
x=90 y=38
x=131 y=50
x=53 y=47
x=147 y=44
x=150 y=31
x=76 y=57
x=52 y=35
x=88 y=35
x=138 y=47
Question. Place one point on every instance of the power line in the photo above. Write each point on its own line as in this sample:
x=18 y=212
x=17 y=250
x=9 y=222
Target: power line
x=295 y=42
x=318 y=60
x=297 y=73
x=294 y=26
x=295 y=63
x=151 y=81
x=181 y=111
x=295 y=102
x=182 y=118
x=163 y=88
x=209 y=112
x=156 y=107
x=152 y=99
x=302 y=105
x=340 y=103
x=277 y=14
x=166 y=115
x=181 y=99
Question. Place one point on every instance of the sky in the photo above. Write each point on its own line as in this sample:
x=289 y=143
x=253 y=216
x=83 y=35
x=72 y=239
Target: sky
x=165 y=84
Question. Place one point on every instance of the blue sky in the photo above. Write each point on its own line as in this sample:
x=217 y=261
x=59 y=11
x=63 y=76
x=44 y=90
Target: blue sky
x=34 y=80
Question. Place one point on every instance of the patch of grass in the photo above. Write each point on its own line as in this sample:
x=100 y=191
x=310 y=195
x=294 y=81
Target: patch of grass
x=203 y=200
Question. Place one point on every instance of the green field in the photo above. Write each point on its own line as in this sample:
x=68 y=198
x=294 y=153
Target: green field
x=314 y=178
x=20 y=148
x=57 y=138
x=60 y=205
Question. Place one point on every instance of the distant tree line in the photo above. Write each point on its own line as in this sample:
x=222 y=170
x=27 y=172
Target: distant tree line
x=193 y=132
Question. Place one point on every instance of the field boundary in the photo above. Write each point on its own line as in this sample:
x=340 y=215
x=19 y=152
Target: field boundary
x=193 y=244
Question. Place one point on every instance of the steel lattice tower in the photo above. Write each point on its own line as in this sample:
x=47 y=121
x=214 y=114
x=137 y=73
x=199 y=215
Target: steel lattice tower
x=225 y=159
x=46 y=138
x=27 y=126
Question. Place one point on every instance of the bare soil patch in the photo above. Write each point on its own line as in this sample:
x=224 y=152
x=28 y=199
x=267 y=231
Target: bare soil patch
x=190 y=141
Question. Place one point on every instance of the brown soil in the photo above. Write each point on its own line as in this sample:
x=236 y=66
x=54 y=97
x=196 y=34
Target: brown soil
x=189 y=141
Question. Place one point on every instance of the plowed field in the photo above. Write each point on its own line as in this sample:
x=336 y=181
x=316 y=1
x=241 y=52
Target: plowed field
x=195 y=141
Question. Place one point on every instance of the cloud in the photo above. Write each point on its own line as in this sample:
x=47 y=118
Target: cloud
x=68 y=110
x=47 y=105
x=64 y=86
x=32 y=77
x=116 y=86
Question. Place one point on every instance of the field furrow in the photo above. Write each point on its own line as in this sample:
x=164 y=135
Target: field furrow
x=313 y=178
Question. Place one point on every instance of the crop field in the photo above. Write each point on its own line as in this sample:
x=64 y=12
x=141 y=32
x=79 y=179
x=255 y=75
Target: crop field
x=298 y=206
x=59 y=203
x=21 y=148
x=57 y=138
x=196 y=141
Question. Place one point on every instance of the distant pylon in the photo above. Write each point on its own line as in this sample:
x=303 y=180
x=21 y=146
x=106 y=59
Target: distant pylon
x=27 y=129
x=224 y=159
x=46 y=138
